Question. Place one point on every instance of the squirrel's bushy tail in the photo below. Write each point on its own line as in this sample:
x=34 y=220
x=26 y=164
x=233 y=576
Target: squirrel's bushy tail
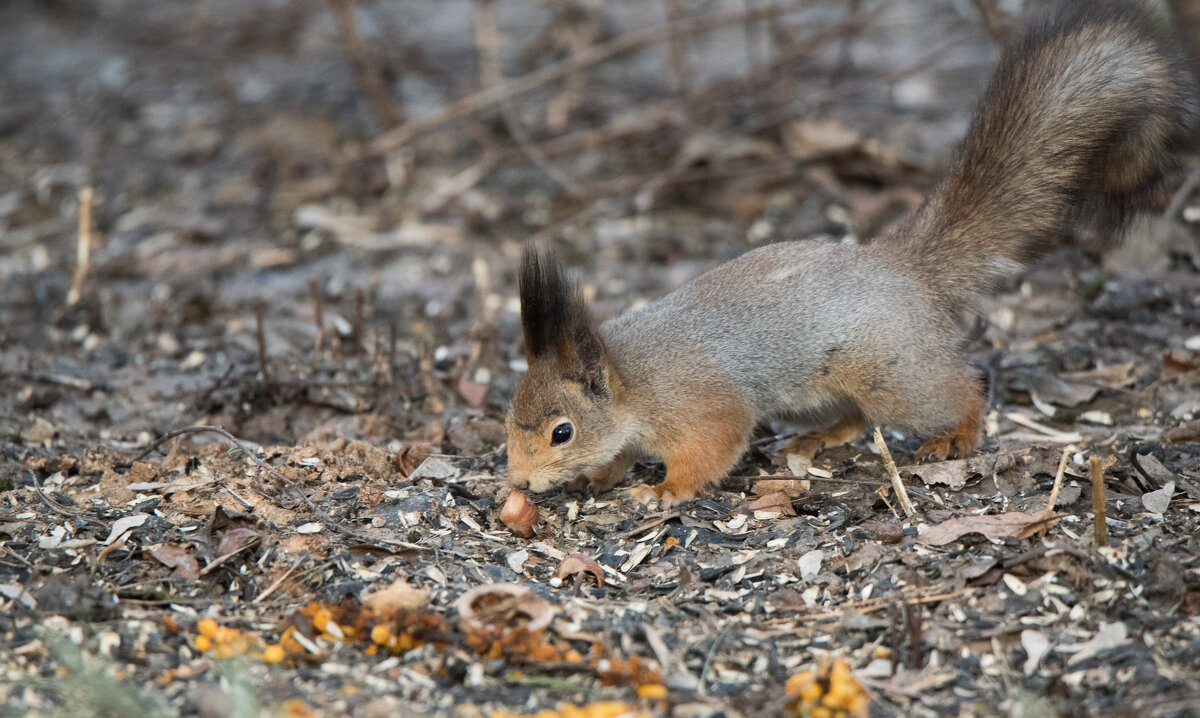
x=1087 y=111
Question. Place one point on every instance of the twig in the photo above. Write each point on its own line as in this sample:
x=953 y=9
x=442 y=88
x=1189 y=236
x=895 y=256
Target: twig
x=897 y=484
x=218 y=561
x=358 y=333
x=590 y=56
x=260 y=336
x=1059 y=437
x=275 y=584
x=487 y=43
x=912 y=617
x=997 y=26
x=318 y=314
x=1058 y=477
x=712 y=651
x=677 y=49
x=83 y=245
x=383 y=105
x=1179 y=199
x=1099 y=509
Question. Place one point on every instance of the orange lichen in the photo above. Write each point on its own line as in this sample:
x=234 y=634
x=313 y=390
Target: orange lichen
x=603 y=709
x=828 y=692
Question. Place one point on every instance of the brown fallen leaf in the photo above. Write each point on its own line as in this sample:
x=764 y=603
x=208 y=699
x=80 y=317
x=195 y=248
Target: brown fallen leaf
x=772 y=505
x=577 y=563
x=235 y=539
x=1113 y=376
x=399 y=596
x=1014 y=524
x=177 y=557
x=1179 y=361
x=956 y=473
x=474 y=392
x=1186 y=432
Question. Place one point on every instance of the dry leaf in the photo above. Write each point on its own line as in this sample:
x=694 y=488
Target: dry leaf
x=177 y=557
x=399 y=596
x=122 y=525
x=578 y=563
x=772 y=505
x=474 y=392
x=1156 y=502
x=955 y=474
x=1113 y=376
x=1014 y=524
x=235 y=539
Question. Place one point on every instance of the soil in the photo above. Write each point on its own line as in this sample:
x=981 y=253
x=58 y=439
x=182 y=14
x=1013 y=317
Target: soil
x=253 y=443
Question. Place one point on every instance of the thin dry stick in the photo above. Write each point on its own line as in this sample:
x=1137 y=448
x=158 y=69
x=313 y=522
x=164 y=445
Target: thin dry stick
x=677 y=49
x=275 y=584
x=318 y=314
x=383 y=106
x=360 y=319
x=83 y=246
x=590 y=56
x=997 y=26
x=897 y=485
x=487 y=43
x=260 y=335
x=1058 y=477
x=1099 y=508
x=1179 y=199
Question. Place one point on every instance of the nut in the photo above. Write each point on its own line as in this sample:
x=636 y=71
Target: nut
x=519 y=514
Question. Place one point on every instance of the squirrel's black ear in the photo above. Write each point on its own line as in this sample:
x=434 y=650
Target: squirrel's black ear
x=556 y=321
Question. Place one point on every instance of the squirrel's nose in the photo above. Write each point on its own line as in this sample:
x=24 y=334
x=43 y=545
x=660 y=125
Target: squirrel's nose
x=517 y=482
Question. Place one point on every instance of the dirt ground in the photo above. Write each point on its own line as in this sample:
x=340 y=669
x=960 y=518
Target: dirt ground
x=258 y=329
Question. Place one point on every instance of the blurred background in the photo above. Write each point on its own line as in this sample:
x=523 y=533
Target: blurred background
x=300 y=218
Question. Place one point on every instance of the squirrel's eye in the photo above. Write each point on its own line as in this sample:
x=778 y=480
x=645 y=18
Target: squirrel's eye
x=561 y=434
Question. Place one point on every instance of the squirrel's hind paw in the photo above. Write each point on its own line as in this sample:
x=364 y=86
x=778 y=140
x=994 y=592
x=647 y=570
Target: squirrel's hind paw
x=957 y=444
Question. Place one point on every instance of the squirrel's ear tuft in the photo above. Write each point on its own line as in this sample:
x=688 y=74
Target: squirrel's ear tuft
x=551 y=305
x=557 y=323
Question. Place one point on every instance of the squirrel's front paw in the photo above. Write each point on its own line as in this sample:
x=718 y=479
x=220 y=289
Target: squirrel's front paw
x=646 y=493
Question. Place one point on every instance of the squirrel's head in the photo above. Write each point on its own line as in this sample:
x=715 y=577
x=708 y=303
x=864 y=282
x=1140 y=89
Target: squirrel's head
x=561 y=423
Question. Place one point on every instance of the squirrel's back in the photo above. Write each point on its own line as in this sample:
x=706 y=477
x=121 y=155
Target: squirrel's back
x=1087 y=112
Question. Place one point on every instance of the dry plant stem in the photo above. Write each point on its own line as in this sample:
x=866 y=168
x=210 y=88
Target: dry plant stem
x=83 y=245
x=220 y=560
x=1058 y=477
x=275 y=584
x=260 y=335
x=897 y=484
x=1099 y=508
x=592 y=55
x=677 y=49
x=383 y=106
x=994 y=22
x=1178 y=200
x=487 y=43
x=318 y=314
x=360 y=320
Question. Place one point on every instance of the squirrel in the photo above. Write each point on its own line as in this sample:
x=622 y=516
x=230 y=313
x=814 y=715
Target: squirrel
x=1083 y=119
